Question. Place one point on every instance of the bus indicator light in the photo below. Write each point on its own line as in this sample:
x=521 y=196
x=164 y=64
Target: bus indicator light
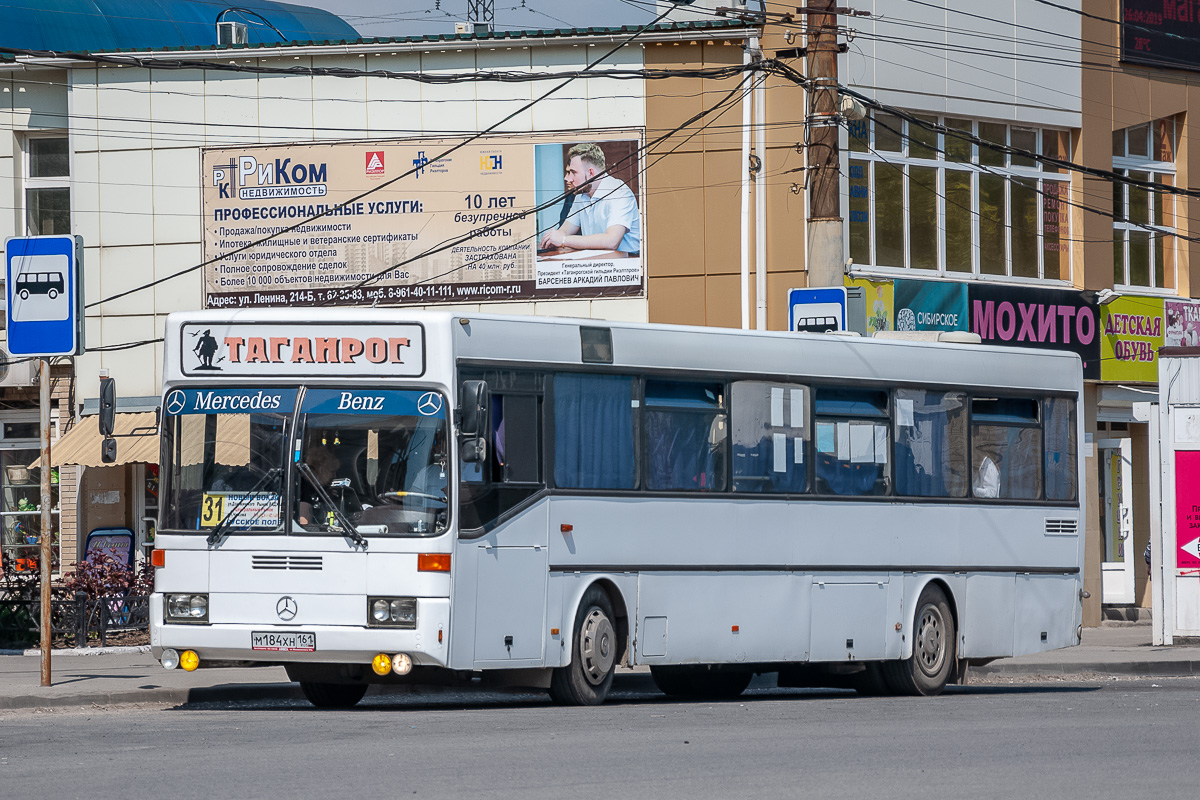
x=158 y=558
x=433 y=562
x=382 y=664
x=566 y=527
x=734 y=629
x=189 y=660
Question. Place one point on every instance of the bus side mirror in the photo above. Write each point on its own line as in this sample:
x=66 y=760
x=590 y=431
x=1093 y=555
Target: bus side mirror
x=474 y=418
x=474 y=450
x=108 y=405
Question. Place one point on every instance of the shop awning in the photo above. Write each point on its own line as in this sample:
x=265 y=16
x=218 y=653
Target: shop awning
x=81 y=444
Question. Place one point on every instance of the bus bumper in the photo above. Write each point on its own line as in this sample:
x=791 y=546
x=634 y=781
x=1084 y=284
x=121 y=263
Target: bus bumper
x=427 y=644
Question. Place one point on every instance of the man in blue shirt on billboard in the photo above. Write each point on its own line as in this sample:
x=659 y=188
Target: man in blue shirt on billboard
x=604 y=215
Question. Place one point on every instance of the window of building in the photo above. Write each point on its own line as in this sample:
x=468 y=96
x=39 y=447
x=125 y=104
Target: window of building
x=47 y=186
x=1144 y=218
x=853 y=435
x=685 y=436
x=934 y=202
x=770 y=435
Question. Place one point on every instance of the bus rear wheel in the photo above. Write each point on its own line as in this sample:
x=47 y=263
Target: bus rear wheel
x=700 y=681
x=927 y=670
x=333 y=695
x=589 y=676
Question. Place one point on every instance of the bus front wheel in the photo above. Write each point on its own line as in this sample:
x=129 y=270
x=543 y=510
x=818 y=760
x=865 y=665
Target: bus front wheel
x=589 y=676
x=928 y=669
x=333 y=695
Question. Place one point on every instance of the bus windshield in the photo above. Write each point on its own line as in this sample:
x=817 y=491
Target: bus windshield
x=225 y=455
x=376 y=459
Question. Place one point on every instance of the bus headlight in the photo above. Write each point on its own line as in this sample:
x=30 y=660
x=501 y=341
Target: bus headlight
x=188 y=608
x=392 y=612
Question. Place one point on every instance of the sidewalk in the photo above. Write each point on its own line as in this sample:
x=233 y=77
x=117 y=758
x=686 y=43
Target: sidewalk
x=131 y=675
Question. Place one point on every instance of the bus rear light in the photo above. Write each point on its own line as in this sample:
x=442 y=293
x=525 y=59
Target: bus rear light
x=158 y=558
x=433 y=562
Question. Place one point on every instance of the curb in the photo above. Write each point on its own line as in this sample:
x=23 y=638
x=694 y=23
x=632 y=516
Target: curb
x=1164 y=669
x=81 y=651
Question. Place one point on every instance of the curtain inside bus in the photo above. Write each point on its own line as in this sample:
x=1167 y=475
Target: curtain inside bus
x=593 y=432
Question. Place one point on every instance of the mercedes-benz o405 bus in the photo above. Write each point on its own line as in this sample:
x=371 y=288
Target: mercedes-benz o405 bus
x=376 y=496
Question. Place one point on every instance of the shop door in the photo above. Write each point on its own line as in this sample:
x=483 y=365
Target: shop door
x=1116 y=520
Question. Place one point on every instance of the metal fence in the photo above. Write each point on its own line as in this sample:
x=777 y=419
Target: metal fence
x=78 y=621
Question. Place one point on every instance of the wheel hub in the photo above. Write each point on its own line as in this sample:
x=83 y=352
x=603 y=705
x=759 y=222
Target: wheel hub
x=596 y=646
x=931 y=640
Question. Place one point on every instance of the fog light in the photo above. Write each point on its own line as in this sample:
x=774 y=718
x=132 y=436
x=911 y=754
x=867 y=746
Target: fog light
x=382 y=664
x=402 y=663
x=170 y=659
x=189 y=660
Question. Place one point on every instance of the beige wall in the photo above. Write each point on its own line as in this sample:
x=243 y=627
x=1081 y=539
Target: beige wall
x=694 y=194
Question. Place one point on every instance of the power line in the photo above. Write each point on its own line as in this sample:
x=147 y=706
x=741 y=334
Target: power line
x=387 y=183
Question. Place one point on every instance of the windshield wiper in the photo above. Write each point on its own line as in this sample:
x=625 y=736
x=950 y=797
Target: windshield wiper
x=347 y=528
x=218 y=533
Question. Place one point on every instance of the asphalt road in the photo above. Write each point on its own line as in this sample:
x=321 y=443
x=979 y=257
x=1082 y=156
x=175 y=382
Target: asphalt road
x=1116 y=738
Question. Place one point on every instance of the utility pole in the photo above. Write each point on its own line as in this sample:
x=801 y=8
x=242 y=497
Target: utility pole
x=826 y=254
x=45 y=538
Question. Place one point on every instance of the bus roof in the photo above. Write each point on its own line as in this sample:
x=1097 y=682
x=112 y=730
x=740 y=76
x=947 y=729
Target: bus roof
x=484 y=338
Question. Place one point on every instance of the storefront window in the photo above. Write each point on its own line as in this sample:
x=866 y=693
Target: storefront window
x=20 y=511
x=971 y=209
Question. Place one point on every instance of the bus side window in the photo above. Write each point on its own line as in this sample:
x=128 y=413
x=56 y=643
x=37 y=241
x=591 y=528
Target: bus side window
x=593 y=432
x=1061 y=466
x=853 y=441
x=931 y=443
x=770 y=437
x=1006 y=448
x=686 y=436
x=516 y=439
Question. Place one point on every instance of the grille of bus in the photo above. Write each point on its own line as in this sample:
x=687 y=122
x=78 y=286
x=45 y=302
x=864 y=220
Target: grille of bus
x=1062 y=527
x=286 y=562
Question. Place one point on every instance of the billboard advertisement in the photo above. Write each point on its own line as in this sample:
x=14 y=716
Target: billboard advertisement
x=1133 y=330
x=1055 y=319
x=397 y=223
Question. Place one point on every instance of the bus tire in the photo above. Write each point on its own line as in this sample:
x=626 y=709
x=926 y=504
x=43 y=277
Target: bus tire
x=700 y=681
x=589 y=676
x=928 y=669
x=333 y=695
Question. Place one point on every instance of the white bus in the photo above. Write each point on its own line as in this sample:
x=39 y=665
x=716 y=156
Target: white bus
x=376 y=496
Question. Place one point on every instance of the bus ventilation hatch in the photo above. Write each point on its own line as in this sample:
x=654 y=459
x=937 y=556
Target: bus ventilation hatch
x=1062 y=527
x=286 y=562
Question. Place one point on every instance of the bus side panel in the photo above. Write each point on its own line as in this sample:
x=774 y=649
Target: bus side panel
x=1042 y=621
x=731 y=617
x=508 y=594
x=987 y=616
x=849 y=618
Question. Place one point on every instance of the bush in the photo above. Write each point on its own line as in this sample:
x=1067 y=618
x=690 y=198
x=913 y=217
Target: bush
x=102 y=574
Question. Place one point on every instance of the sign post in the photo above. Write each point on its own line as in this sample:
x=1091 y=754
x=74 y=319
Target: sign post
x=43 y=300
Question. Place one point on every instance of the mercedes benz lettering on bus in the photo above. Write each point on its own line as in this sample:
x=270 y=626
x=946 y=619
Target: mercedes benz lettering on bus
x=403 y=496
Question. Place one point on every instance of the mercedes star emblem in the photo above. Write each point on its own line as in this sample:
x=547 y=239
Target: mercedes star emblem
x=286 y=608
x=176 y=402
x=430 y=403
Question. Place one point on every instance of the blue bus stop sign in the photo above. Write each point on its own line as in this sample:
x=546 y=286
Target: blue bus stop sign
x=818 y=310
x=42 y=294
